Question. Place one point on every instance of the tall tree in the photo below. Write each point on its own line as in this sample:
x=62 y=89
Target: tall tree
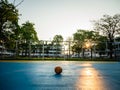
x=110 y=27
x=81 y=37
x=9 y=27
x=28 y=36
x=28 y=32
x=8 y=19
x=101 y=46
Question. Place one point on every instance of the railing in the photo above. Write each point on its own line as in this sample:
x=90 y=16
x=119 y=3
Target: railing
x=63 y=50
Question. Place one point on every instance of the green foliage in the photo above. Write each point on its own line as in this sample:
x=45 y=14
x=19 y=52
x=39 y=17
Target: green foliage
x=117 y=39
x=11 y=32
x=110 y=27
x=28 y=32
x=101 y=44
x=8 y=20
x=82 y=36
x=27 y=37
x=57 y=39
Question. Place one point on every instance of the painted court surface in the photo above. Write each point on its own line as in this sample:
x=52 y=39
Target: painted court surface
x=40 y=75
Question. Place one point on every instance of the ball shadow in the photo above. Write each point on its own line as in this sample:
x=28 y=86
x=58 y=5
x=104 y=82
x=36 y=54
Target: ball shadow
x=58 y=76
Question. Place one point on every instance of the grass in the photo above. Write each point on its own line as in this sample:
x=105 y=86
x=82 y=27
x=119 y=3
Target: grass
x=56 y=59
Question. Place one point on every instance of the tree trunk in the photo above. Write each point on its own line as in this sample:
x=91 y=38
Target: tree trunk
x=91 y=53
x=83 y=54
x=111 y=49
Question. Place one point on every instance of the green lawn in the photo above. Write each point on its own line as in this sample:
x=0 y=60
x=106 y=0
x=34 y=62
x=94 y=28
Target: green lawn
x=58 y=59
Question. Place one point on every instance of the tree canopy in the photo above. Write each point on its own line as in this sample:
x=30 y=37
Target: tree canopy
x=8 y=19
x=81 y=37
x=28 y=32
x=57 y=39
x=109 y=26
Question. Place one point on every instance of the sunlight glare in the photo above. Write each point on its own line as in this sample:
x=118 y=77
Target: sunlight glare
x=90 y=79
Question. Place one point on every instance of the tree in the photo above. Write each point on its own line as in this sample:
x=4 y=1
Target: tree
x=28 y=35
x=8 y=19
x=28 y=32
x=57 y=39
x=9 y=27
x=117 y=39
x=101 y=45
x=110 y=27
x=81 y=37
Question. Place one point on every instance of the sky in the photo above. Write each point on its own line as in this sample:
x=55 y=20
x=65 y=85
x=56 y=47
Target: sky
x=64 y=17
